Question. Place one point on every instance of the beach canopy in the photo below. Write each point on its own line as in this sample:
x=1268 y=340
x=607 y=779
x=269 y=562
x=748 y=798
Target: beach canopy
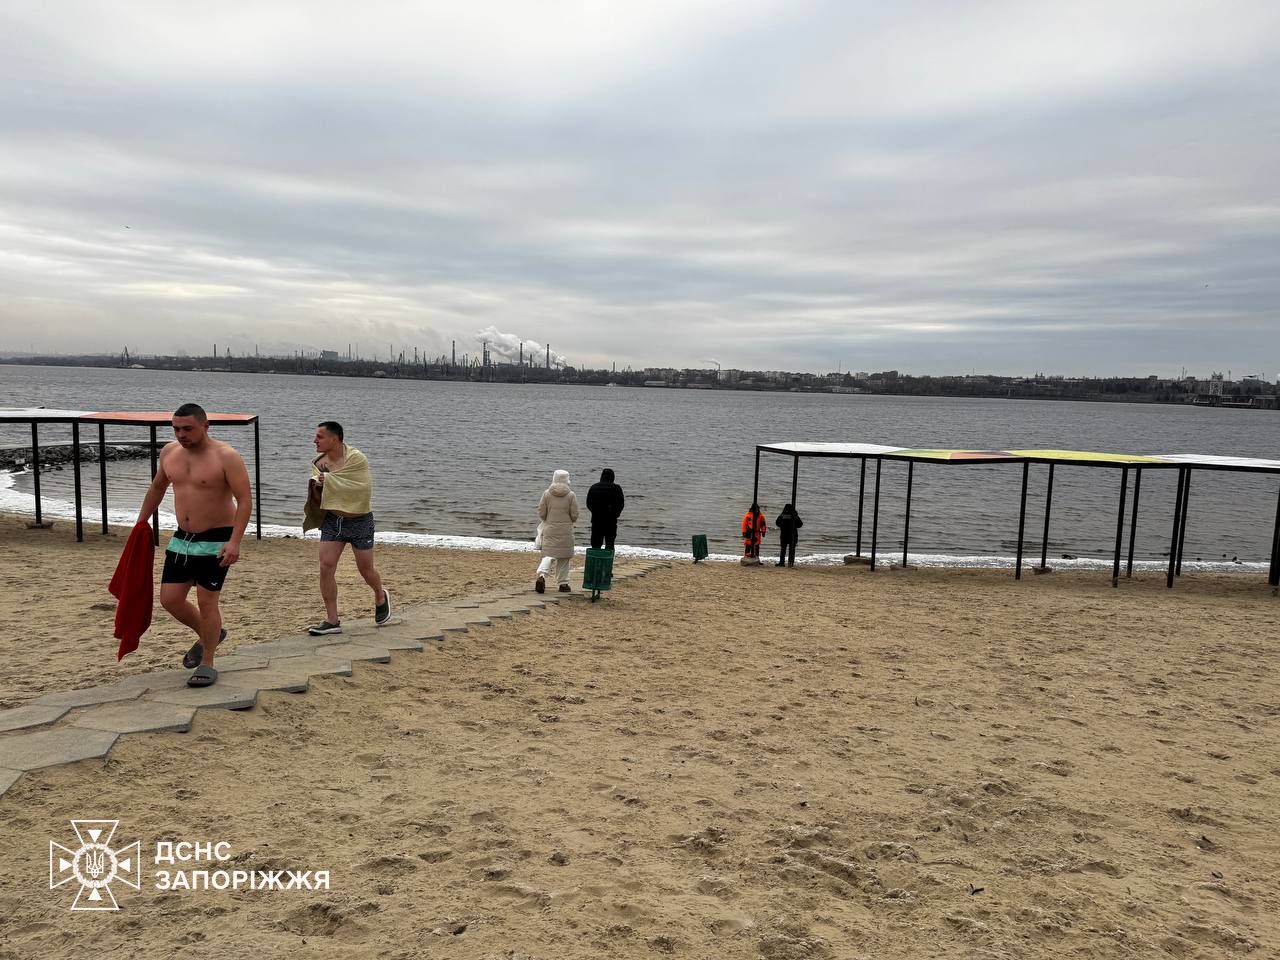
x=149 y=418
x=1183 y=463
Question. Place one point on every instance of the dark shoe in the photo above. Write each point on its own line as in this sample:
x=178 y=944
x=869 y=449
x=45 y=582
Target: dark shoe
x=382 y=612
x=203 y=677
x=191 y=659
x=779 y=564
x=540 y=584
x=324 y=628
x=564 y=588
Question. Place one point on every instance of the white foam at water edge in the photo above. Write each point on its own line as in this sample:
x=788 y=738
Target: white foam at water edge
x=14 y=501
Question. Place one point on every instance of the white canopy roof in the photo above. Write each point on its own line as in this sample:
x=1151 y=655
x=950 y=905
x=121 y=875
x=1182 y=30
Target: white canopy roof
x=27 y=414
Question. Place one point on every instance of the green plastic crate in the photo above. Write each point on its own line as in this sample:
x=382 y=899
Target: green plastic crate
x=597 y=573
x=700 y=551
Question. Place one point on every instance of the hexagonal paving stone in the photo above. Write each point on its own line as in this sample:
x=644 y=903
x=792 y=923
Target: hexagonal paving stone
x=240 y=661
x=48 y=748
x=292 y=647
x=88 y=696
x=21 y=717
x=136 y=716
x=165 y=681
x=314 y=666
x=282 y=679
x=402 y=643
x=223 y=695
x=8 y=778
x=157 y=678
x=355 y=651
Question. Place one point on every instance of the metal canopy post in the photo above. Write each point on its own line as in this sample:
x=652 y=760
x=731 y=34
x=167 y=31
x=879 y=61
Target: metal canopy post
x=75 y=457
x=875 y=516
x=1182 y=524
x=795 y=477
x=906 y=525
x=1133 y=522
x=257 y=479
x=155 y=516
x=862 y=483
x=1274 y=579
x=1022 y=521
x=1044 y=540
x=755 y=489
x=35 y=470
x=1173 y=538
x=1124 y=489
x=102 y=472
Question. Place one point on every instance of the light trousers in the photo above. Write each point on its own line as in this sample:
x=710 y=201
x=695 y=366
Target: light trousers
x=562 y=567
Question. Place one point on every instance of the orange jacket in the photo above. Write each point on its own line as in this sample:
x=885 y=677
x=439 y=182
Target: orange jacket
x=746 y=527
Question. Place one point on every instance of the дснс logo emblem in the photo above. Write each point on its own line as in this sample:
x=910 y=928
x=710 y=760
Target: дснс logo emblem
x=95 y=865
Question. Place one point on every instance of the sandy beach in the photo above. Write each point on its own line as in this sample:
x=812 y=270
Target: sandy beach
x=714 y=762
x=58 y=616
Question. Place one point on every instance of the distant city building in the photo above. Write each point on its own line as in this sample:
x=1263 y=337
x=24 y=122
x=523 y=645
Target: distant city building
x=328 y=354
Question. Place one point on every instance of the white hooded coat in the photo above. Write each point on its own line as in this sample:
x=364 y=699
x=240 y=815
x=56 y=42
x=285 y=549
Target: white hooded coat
x=558 y=510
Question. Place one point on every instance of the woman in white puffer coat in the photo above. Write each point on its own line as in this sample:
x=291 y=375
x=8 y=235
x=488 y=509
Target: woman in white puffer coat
x=558 y=510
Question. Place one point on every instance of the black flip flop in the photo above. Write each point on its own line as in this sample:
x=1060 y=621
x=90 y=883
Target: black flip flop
x=203 y=677
x=191 y=659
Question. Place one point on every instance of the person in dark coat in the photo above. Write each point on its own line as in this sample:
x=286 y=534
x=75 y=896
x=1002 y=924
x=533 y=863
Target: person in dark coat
x=605 y=501
x=788 y=524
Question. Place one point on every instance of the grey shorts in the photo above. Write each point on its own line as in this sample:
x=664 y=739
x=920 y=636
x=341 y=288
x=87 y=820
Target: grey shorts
x=357 y=531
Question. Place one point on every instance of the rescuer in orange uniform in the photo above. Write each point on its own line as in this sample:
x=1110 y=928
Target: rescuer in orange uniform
x=753 y=530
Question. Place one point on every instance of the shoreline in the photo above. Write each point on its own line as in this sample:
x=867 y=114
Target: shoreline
x=17 y=504
x=1007 y=387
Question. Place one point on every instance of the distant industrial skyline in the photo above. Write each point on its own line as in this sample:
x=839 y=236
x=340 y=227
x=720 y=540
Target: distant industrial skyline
x=538 y=359
x=802 y=185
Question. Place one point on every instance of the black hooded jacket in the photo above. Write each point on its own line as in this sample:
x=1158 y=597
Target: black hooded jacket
x=605 y=501
x=788 y=524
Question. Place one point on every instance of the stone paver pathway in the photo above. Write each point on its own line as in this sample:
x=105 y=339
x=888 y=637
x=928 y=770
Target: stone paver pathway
x=72 y=725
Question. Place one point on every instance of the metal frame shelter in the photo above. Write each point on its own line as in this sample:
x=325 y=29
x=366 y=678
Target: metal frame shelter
x=1183 y=463
x=152 y=419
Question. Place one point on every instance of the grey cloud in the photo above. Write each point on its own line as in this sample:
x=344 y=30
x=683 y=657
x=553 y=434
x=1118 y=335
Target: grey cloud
x=917 y=187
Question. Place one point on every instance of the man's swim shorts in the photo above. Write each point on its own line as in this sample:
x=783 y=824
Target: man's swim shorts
x=357 y=531
x=193 y=558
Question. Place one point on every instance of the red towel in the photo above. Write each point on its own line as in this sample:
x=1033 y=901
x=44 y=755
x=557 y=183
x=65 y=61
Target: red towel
x=133 y=586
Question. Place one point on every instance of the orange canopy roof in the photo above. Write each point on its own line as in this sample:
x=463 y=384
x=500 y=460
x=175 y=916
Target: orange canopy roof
x=161 y=417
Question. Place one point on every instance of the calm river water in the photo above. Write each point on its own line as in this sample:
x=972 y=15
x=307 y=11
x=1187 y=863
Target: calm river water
x=467 y=462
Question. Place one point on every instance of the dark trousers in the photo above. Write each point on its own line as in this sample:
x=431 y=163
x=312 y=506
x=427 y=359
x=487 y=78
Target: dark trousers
x=787 y=545
x=603 y=536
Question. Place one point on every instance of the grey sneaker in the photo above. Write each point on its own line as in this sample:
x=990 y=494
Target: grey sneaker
x=382 y=612
x=324 y=628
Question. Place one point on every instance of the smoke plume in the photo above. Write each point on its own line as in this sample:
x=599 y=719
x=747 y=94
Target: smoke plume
x=506 y=347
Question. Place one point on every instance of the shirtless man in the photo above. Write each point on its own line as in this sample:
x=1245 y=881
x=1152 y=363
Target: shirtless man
x=212 y=499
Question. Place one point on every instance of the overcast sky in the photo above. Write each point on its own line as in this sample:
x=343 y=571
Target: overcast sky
x=1083 y=187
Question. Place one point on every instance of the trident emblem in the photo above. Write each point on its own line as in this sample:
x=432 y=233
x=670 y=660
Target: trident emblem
x=95 y=865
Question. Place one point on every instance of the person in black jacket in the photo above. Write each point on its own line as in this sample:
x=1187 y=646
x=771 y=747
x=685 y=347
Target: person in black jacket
x=605 y=501
x=788 y=524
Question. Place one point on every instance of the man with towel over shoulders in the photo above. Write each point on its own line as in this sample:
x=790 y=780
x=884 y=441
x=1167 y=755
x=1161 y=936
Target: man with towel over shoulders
x=339 y=504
